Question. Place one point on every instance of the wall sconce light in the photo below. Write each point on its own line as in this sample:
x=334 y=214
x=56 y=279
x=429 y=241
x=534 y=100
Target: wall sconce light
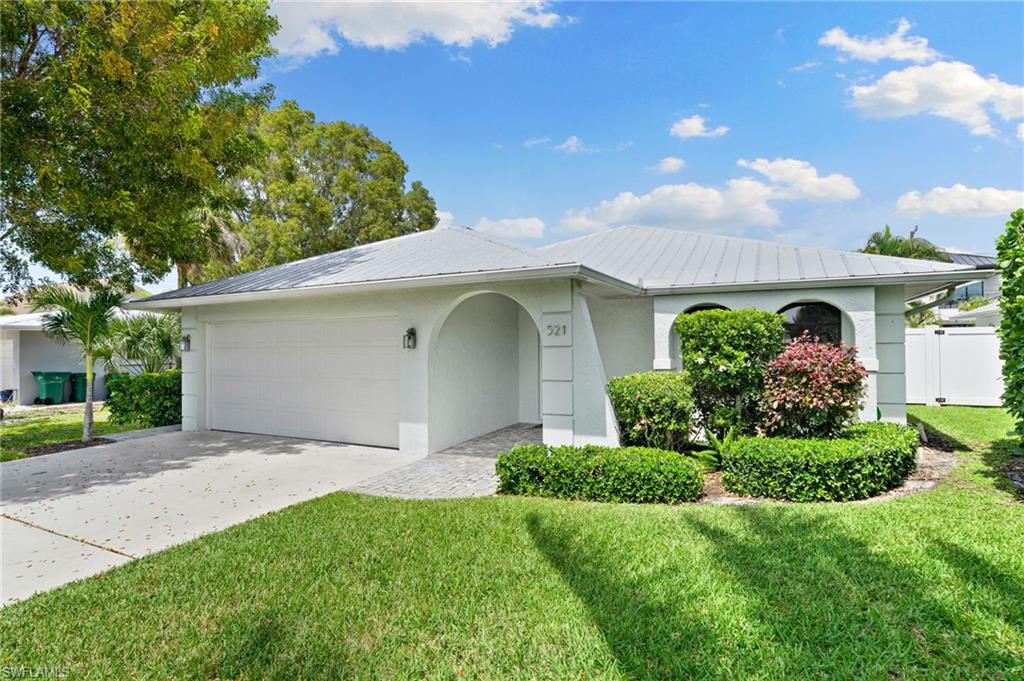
x=185 y=343
x=409 y=339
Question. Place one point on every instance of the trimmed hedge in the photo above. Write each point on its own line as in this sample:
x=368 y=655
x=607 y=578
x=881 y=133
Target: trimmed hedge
x=149 y=400
x=869 y=459
x=654 y=408
x=592 y=473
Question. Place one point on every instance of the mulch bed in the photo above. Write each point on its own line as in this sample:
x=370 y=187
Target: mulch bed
x=54 y=447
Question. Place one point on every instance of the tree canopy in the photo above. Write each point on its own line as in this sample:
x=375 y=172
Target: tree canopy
x=119 y=119
x=322 y=187
x=912 y=246
x=1010 y=258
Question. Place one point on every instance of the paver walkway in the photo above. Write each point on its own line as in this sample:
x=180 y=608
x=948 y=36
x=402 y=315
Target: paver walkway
x=465 y=470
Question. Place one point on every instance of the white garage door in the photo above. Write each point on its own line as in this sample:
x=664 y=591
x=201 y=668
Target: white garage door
x=326 y=379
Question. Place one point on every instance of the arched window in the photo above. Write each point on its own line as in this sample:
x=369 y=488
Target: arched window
x=705 y=306
x=819 y=319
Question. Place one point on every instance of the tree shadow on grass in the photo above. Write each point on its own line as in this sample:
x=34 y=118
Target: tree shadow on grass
x=1001 y=458
x=805 y=599
x=995 y=592
x=938 y=439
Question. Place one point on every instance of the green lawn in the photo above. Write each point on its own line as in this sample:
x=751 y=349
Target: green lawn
x=928 y=586
x=18 y=433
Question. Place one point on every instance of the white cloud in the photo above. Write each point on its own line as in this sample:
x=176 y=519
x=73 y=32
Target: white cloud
x=312 y=28
x=445 y=220
x=742 y=202
x=897 y=45
x=1020 y=132
x=669 y=164
x=794 y=180
x=952 y=90
x=695 y=126
x=535 y=141
x=806 y=66
x=961 y=200
x=573 y=145
x=512 y=228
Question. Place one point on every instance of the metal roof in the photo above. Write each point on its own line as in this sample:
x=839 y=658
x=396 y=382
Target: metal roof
x=423 y=254
x=656 y=258
x=972 y=259
x=636 y=259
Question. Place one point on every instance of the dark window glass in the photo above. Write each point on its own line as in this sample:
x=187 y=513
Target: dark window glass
x=819 y=319
x=706 y=306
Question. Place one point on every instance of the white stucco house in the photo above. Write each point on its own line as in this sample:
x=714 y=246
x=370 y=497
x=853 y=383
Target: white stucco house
x=427 y=340
x=24 y=349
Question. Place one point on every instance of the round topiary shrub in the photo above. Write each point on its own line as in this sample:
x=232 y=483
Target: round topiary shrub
x=654 y=408
x=811 y=389
x=867 y=460
x=592 y=473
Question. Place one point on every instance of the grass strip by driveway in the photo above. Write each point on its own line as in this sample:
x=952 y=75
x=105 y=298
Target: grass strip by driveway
x=927 y=586
x=18 y=433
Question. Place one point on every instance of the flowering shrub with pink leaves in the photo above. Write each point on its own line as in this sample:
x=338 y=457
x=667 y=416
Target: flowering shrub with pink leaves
x=811 y=389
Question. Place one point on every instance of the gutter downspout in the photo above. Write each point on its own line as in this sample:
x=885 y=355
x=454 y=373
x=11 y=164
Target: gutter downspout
x=948 y=296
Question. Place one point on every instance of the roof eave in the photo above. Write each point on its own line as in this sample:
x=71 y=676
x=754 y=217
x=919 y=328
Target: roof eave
x=940 y=279
x=521 y=274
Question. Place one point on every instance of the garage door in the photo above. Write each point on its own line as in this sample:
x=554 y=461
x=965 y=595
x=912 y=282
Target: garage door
x=325 y=379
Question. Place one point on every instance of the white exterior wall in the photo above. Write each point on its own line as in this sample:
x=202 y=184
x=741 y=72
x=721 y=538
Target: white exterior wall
x=474 y=371
x=856 y=303
x=529 y=368
x=36 y=352
x=10 y=350
x=571 y=370
x=625 y=333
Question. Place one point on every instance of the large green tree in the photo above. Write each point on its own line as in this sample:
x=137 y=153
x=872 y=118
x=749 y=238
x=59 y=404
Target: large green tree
x=912 y=246
x=119 y=119
x=322 y=187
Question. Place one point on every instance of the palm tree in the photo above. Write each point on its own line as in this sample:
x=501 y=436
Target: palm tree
x=214 y=240
x=83 y=319
x=887 y=243
x=148 y=343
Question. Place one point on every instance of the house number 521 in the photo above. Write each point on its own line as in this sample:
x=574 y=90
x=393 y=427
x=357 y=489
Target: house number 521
x=558 y=329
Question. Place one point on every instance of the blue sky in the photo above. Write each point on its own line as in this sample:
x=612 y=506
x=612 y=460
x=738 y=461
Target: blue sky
x=821 y=123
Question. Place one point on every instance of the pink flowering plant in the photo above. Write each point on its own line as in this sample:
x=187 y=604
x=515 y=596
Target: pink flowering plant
x=811 y=389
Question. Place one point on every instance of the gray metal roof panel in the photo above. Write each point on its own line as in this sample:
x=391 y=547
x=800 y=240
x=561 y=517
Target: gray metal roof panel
x=434 y=252
x=666 y=258
x=640 y=256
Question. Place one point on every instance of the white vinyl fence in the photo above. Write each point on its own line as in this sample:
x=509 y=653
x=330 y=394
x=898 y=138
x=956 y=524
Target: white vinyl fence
x=954 y=365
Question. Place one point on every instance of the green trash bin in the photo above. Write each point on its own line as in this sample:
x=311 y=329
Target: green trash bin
x=51 y=385
x=78 y=386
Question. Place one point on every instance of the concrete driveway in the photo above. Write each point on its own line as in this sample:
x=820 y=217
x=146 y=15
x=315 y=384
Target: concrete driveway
x=73 y=514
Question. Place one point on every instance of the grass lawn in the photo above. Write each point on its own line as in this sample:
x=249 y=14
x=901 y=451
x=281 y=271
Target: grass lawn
x=927 y=586
x=17 y=433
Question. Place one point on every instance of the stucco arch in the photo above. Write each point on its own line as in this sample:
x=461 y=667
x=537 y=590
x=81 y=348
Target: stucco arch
x=485 y=368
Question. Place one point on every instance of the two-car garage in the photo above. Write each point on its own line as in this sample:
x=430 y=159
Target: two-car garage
x=329 y=379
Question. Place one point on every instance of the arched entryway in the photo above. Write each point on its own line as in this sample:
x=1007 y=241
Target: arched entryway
x=485 y=369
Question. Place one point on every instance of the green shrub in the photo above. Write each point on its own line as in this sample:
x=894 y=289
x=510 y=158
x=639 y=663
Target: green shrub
x=1010 y=258
x=654 y=408
x=149 y=400
x=867 y=460
x=627 y=474
x=725 y=353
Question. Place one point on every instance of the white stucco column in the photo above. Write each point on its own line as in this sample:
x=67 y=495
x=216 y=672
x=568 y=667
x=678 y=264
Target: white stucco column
x=193 y=372
x=890 y=349
x=557 y=367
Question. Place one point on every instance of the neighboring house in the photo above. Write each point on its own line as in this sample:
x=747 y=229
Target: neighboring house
x=985 y=287
x=986 y=315
x=426 y=340
x=24 y=349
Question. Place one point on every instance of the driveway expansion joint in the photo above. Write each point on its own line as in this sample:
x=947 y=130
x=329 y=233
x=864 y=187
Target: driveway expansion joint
x=67 y=536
